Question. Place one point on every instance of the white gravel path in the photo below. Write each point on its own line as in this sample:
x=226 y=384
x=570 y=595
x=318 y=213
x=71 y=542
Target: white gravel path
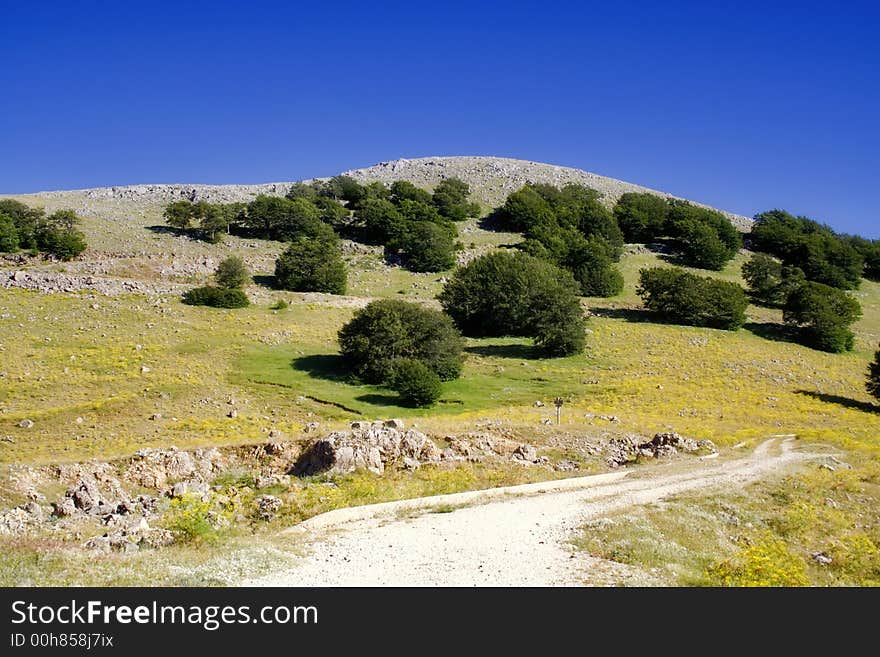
x=519 y=537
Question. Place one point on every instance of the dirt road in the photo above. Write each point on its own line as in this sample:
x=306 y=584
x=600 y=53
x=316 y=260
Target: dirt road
x=516 y=536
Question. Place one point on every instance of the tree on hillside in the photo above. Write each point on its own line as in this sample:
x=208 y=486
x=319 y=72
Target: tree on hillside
x=641 y=217
x=385 y=331
x=593 y=268
x=403 y=190
x=8 y=234
x=451 y=196
x=179 y=214
x=416 y=383
x=872 y=385
x=825 y=314
x=27 y=221
x=504 y=293
x=232 y=273
x=312 y=264
x=426 y=247
x=684 y=298
x=380 y=221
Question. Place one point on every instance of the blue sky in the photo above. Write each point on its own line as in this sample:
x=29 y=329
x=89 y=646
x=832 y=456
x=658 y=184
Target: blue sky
x=744 y=106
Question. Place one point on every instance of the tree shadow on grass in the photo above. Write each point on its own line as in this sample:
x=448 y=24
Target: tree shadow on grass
x=265 y=281
x=379 y=399
x=854 y=404
x=517 y=351
x=775 y=332
x=629 y=315
x=171 y=230
x=329 y=367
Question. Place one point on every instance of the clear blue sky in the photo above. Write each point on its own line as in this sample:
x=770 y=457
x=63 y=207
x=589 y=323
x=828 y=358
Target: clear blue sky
x=746 y=106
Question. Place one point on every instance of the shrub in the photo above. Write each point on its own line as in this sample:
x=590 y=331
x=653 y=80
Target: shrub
x=281 y=304
x=232 y=273
x=641 y=217
x=380 y=221
x=450 y=197
x=62 y=243
x=282 y=218
x=312 y=264
x=179 y=214
x=763 y=275
x=825 y=313
x=524 y=209
x=402 y=190
x=216 y=297
x=767 y=562
x=593 y=269
x=506 y=293
x=685 y=298
x=387 y=330
x=27 y=221
x=427 y=247
x=823 y=255
x=8 y=234
x=703 y=238
x=416 y=383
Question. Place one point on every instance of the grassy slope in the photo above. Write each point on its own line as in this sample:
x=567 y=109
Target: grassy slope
x=70 y=356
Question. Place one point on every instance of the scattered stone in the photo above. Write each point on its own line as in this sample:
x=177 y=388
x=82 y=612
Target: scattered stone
x=145 y=369
x=156 y=416
x=369 y=446
x=566 y=466
x=394 y=424
x=821 y=558
x=195 y=488
x=233 y=414
x=311 y=427
x=538 y=404
x=266 y=481
x=411 y=464
x=526 y=453
x=64 y=508
x=268 y=506
x=26 y=424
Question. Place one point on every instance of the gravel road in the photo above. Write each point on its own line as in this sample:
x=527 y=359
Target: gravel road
x=516 y=536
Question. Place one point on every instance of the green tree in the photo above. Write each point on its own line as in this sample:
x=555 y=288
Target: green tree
x=345 y=188
x=283 y=219
x=641 y=217
x=61 y=243
x=303 y=190
x=179 y=214
x=8 y=234
x=451 y=198
x=312 y=264
x=684 y=298
x=593 y=269
x=403 y=190
x=380 y=221
x=523 y=209
x=763 y=275
x=825 y=314
x=416 y=383
x=384 y=331
x=232 y=273
x=216 y=297
x=703 y=238
x=28 y=221
x=426 y=247
x=872 y=385
x=331 y=211
x=504 y=293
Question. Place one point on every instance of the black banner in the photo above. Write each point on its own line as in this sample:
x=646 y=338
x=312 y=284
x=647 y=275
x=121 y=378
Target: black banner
x=156 y=620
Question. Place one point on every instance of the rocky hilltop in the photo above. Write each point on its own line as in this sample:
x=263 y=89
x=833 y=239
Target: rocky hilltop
x=490 y=178
x=493 y=178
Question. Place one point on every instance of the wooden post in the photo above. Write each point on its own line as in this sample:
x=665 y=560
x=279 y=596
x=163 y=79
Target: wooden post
x=558 y=403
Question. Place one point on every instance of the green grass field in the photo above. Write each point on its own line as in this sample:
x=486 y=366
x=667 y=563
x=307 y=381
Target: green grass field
x=102 y=377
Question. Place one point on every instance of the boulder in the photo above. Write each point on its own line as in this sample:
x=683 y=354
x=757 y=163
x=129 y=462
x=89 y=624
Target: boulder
x=621 y=450
x=366 y=447
x=525 y=453
x=268 y=506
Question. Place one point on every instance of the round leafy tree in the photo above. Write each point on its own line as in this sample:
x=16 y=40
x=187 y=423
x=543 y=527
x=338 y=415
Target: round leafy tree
x=389 y=329
x=416 y=383
x=505 y=293
x=232 y=273
x=312 y=265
